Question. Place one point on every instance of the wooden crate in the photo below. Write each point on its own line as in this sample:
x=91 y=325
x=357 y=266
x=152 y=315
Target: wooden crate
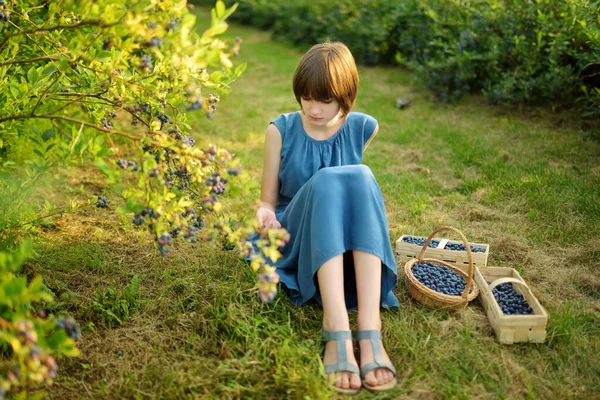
x=406 y=251
x=511 y=328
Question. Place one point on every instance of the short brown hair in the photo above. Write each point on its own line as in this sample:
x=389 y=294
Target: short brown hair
x=327 y=71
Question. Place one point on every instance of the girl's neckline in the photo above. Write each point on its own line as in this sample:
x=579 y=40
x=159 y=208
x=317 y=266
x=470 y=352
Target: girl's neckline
x=330 y=138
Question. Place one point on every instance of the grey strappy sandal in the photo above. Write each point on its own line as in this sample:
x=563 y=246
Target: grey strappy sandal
x=342 y=365
x=375 y=337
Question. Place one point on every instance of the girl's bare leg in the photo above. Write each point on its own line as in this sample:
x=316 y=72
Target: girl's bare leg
x=335 y=317
x=367 y=268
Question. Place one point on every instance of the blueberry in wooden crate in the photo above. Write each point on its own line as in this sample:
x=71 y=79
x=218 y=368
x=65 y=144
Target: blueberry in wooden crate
x=515 y=314
x=450 y=251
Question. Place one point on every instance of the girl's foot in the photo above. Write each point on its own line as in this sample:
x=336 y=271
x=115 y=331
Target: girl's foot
x=378 y=376
x=343 y=379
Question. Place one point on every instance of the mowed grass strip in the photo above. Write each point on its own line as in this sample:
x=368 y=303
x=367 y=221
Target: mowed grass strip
x=190 y=325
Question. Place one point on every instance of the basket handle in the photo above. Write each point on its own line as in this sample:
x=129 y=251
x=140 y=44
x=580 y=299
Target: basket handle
x=507 y=280
x=465 y=294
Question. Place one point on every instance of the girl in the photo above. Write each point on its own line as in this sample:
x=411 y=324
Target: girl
x=314 y=185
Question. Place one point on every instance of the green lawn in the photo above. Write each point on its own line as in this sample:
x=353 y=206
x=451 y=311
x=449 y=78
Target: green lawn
x=191 y=325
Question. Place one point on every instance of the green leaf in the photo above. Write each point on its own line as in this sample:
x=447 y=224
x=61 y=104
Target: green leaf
x=220 y=7
x=15 y=288
x=34 y=140
x=39 y=153
x=57 y=339
x=229 y=11
x=49 y=70
x=239 y=70
x=48 y=134
x=14 y=90
x=32 y=75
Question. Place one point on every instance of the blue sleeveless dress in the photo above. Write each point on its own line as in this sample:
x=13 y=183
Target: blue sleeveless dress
x=330 y=204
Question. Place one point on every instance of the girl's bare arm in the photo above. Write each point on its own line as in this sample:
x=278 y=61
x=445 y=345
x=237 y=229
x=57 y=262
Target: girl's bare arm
x=270 y=177
x=371 y=138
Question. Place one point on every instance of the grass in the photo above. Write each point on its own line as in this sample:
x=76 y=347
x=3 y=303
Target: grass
x=191 y=326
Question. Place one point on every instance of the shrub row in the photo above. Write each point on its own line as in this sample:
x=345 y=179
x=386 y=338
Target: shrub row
x=511 y=51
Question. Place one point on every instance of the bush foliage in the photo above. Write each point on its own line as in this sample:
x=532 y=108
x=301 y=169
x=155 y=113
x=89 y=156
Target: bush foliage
x=107 y=84
x=513 y=51
x=29 y=340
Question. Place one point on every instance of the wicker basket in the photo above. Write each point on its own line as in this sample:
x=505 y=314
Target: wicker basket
x=433 y=298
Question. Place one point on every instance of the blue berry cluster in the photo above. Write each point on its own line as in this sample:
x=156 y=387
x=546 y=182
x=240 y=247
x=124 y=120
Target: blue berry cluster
x=182 y=175
x=107 y=44
x=196 y=105
x=216 y=183
x=154 y=42
x=188 y=141
x=70 y=326
x=138 y=219
x=419 y=241
x=145 y=62
x=164 y=243
x=107 y=124
x=439 y=278
x=125 y=164
x=211 y=151
x=163 y=118
x=435 y=243
x=212 y=107
x=461 y=247
x=190 y=233
x=4 y=16
x=234 y=171
x=236 y=46
x=511 y=301
x=102 y=202
x=173 y=24
x=176 y=133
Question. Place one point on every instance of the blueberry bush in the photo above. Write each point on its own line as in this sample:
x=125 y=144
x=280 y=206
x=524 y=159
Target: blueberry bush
x=30 y=339
x=110 y=84
x=532 y=51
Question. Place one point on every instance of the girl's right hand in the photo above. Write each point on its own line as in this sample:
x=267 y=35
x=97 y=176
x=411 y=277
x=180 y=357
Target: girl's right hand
x=266 y=218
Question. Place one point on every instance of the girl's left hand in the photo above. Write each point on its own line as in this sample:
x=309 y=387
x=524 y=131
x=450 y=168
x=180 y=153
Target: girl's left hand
x=266 y=218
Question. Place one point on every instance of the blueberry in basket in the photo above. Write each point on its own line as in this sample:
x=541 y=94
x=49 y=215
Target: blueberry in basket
x=439 y=278
x=510 y=301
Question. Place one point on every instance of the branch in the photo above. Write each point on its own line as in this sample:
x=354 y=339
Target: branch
x=99 y=23
x=108 y=101
x=61 y=129
x=77 y=121
x=45 y=92
x=30 y=38
x=50 y=58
